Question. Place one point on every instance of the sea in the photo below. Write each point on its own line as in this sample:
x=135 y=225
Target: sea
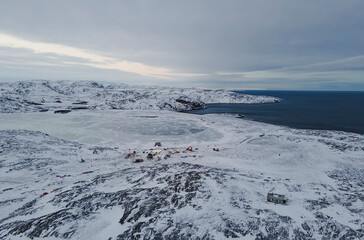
x=324 y=110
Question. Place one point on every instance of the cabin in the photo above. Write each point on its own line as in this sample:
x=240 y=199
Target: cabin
x=276 y=198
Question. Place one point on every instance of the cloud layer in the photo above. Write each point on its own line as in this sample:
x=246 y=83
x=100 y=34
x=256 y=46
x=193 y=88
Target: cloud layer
x=89 y=58
x=213 y=44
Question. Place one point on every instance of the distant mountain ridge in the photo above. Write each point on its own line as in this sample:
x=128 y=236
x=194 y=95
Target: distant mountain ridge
x=42 y=95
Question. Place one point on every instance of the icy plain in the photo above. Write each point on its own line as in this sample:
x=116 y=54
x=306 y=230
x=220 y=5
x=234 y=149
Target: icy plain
x=47 y=192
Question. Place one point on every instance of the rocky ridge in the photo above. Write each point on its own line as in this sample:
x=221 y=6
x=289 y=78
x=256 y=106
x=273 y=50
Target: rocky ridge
x=40 y=96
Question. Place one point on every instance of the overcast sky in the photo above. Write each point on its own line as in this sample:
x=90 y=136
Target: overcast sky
x=280 y=44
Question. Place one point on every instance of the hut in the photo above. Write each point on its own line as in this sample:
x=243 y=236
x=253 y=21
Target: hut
x=276 y=198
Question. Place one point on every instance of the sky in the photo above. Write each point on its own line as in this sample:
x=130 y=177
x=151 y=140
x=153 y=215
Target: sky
x=273 y=45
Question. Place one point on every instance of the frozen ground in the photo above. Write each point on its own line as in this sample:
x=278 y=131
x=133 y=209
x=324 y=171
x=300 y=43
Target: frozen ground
x=114 y=128
x=203 y=194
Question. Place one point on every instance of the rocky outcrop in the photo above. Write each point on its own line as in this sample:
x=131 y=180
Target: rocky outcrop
x=179 y=200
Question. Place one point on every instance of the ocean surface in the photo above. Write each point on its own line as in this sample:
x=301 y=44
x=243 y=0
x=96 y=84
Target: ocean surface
x=341 y=111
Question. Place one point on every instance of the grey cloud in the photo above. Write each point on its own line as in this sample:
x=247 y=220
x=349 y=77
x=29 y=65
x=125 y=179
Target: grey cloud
x=202 y=36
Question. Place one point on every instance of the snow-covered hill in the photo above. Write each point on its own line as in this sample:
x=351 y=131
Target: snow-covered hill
x=38 y=95
x=69 y=176
x=47 y=192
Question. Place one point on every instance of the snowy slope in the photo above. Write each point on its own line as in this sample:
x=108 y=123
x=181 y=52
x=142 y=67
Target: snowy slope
x=35 y=96
x=203 y=194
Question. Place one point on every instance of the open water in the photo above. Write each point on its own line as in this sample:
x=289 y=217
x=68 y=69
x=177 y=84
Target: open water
x=342 y=111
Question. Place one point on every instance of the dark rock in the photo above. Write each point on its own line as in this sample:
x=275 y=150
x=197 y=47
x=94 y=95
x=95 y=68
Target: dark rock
x=62 y=111
x=191 y=105
x=80 y=103
x=33 y=103
x=7 y=189
x=79 y=108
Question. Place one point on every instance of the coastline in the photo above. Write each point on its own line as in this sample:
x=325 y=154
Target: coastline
x=338 y=111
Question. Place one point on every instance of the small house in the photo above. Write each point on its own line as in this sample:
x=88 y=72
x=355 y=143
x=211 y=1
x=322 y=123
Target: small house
x=276 y=198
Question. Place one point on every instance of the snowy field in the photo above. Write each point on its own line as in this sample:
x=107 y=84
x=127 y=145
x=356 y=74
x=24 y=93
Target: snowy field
x=204 y=194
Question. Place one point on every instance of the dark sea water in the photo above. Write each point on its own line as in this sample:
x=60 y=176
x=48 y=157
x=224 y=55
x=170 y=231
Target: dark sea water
x=342 y=111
